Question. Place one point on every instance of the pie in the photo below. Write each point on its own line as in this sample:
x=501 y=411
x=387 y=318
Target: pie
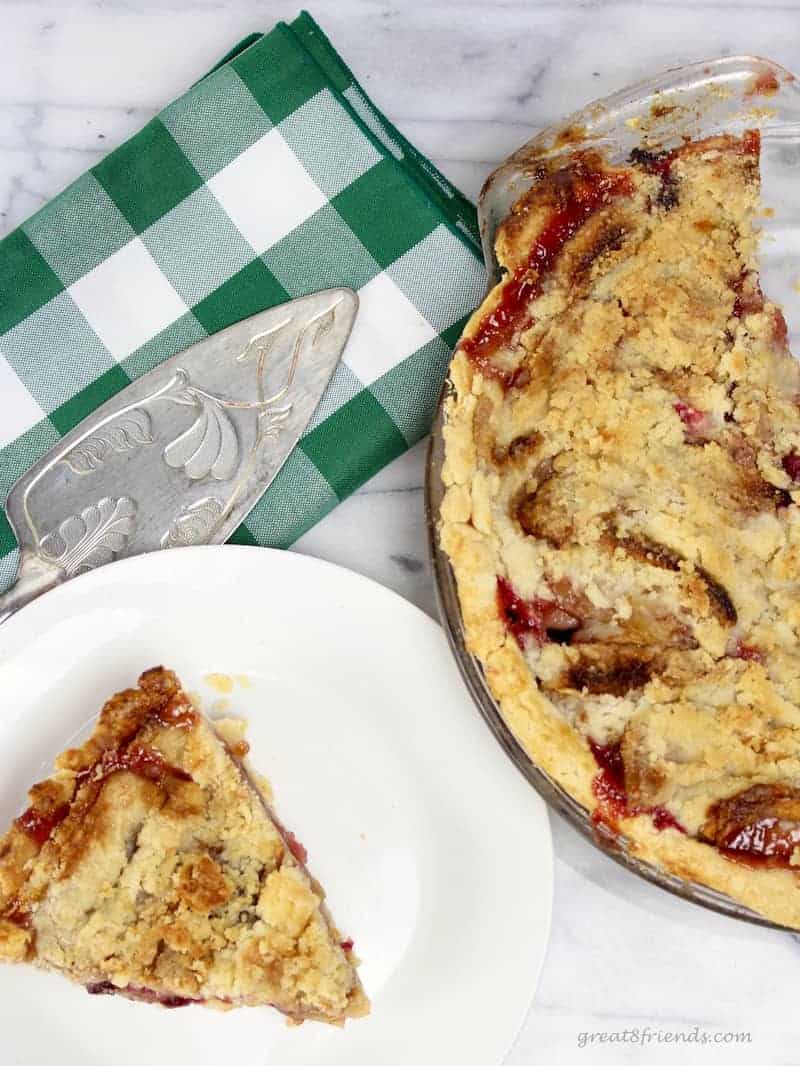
x=622 y=480
x=151 y=865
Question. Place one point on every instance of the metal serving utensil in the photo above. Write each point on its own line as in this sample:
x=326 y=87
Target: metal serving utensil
x=694 y=101
x=183 y=454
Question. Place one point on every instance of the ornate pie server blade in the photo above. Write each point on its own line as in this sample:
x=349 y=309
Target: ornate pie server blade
x=183 y=454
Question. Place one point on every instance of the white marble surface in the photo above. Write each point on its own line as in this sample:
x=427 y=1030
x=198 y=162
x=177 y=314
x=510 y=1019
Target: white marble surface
x=468 y=82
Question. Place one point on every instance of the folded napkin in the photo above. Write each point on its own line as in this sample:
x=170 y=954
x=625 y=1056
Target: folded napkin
x=272 y=177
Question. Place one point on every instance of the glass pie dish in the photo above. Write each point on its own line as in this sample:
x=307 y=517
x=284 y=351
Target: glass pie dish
x=731 y=95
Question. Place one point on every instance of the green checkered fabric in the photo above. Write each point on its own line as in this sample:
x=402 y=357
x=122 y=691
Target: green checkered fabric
x=271 y=178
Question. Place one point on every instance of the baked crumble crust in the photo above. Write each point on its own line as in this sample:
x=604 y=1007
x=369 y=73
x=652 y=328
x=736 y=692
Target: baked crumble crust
x=622 y=474
x=149 y=864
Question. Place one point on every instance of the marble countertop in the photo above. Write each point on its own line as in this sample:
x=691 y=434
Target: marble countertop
x=467 y=82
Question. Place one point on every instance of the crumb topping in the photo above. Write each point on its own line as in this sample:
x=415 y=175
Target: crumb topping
x=150 y=865
x=622 y=476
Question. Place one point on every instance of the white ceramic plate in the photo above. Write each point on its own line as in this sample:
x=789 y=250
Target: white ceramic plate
x=434 y=852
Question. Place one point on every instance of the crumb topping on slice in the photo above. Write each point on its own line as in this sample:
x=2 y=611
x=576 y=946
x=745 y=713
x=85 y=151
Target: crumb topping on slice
x=150 y=865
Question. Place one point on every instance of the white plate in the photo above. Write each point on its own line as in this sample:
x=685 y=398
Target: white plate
x=435 y=853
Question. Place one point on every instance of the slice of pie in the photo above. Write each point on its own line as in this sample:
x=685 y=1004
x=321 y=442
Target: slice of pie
x=622 y=509
x=152 y=866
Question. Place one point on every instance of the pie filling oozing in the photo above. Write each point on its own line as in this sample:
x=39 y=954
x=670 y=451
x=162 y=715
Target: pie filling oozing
x=151 y=866
x=622 y=472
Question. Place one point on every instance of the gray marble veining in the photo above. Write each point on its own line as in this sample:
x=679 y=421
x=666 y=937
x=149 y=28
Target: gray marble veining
x=468 y=82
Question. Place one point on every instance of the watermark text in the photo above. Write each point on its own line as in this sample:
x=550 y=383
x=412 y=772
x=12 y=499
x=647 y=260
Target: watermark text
x=646 y=1036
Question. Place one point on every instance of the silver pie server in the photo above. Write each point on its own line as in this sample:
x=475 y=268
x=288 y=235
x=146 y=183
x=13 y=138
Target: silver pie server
x=182 y=454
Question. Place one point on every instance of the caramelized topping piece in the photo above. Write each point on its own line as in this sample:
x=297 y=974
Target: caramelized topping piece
x=650 y=551
x=541 y=514
x=753 y=493
x=659 y=163
x=614 y=679
x=760 y=825
x=519 y=448
x=720 y=602
x=609 y=239
x=791 y=464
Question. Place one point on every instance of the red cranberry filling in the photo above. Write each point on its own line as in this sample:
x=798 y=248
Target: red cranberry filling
x=609 y=785
x=291 y=841
x=346 y=945
x=662 y=818
x=612 y=797
x=746 y=303
x=767 y=841
x=588 y=192
x=40 y=824
x=102 y=988
x=690 y=416
x=17 y=913
x=296 y=847
x=146 y=762
x=698 y=423
x=142 y=995
x=739 y=650
x=780 y=330
x=544 y=620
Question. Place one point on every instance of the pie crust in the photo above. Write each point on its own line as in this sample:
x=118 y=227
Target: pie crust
x=151 y=865
x=622 y=479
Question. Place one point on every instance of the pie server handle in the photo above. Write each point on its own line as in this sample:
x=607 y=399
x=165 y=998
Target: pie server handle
x=184 y=453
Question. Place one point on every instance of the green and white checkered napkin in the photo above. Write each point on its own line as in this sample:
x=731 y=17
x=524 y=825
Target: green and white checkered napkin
x=273 y=177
